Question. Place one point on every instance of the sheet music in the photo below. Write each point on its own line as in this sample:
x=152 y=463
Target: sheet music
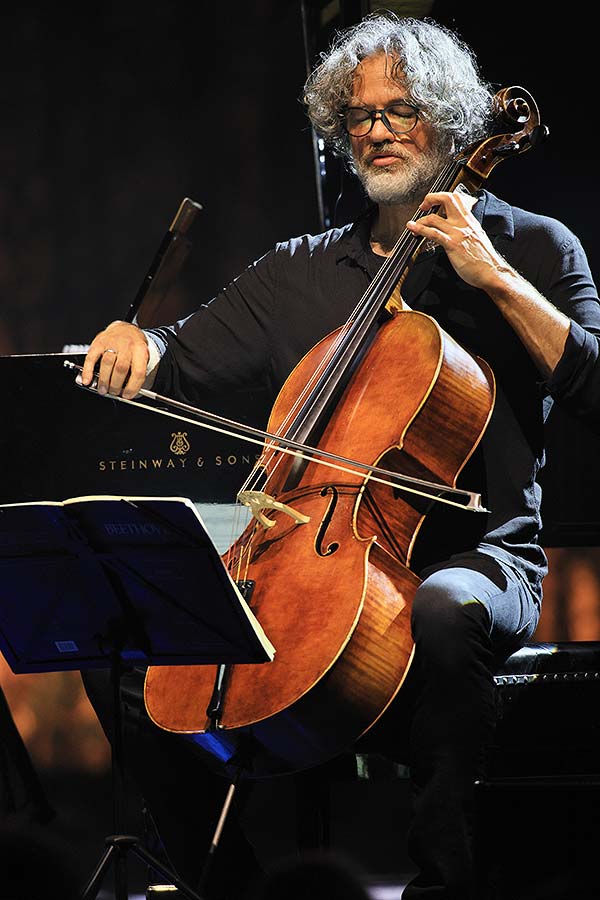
x=70 y=570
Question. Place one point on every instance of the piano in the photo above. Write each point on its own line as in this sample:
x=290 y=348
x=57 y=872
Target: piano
x=62 y=441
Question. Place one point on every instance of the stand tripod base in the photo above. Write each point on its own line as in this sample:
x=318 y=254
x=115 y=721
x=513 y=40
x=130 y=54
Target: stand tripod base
x=117 y=848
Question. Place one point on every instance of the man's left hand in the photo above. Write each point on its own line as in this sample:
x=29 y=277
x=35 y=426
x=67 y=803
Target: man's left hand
x=454 y=227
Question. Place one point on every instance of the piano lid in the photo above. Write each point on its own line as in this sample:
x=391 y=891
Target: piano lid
x=60 y=441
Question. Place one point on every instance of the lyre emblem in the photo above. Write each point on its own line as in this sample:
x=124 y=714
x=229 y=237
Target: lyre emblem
x=180 y=443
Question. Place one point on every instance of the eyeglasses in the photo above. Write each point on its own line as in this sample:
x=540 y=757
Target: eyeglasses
x=400 y=118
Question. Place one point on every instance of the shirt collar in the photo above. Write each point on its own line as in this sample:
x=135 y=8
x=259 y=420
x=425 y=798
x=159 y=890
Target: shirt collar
x=494 y=214
x=354 y=243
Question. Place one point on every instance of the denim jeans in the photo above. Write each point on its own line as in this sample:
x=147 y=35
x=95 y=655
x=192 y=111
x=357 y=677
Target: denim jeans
x=468 y=614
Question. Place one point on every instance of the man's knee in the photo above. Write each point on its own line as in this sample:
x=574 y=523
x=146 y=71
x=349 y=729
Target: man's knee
x=448 y=621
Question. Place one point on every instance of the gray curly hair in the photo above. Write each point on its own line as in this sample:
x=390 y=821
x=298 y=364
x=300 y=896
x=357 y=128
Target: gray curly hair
x=439 y=69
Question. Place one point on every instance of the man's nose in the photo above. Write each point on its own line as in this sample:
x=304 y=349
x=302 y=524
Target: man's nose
x=380 y=131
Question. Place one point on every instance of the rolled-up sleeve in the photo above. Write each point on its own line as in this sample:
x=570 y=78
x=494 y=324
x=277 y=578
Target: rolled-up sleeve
x=575 y=382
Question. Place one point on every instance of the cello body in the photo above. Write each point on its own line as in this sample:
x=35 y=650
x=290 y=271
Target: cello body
x=334 y=592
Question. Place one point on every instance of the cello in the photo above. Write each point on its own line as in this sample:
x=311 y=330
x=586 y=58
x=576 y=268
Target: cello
x=325 y=563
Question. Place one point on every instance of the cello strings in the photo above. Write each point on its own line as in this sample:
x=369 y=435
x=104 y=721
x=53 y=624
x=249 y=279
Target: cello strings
x=300 y=400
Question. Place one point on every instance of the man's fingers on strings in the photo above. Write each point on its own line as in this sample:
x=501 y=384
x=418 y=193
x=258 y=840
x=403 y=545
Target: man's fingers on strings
x=430 y=227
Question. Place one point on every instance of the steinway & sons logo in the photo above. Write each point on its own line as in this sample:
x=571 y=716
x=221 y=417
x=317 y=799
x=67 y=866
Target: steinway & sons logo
x=179 y=448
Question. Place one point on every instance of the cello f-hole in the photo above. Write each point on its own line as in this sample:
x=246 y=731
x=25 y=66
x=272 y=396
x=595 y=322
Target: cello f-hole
x=325 y=523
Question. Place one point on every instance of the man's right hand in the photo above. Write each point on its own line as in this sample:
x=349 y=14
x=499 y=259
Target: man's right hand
x=122 y=351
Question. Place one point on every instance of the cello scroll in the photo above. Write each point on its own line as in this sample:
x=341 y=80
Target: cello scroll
x=519 y=129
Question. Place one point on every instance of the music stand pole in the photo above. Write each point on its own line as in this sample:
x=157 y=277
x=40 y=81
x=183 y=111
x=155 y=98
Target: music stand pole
x=118 y=845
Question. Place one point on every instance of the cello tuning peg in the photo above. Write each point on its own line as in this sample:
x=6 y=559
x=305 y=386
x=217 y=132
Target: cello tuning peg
x=538 y=135
x=507 y=149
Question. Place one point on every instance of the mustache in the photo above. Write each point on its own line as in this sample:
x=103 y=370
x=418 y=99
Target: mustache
x=384 y=149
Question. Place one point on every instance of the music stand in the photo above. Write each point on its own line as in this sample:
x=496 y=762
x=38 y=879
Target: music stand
x=110 y=582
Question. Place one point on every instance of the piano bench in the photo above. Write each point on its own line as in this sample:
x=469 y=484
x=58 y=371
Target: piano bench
x=538 y=803
x=548 y=726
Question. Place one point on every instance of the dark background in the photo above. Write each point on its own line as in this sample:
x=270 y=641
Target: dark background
x=113 y=113
x=110 y=116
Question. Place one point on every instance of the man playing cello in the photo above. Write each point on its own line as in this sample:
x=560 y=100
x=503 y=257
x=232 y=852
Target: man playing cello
x=400 y=98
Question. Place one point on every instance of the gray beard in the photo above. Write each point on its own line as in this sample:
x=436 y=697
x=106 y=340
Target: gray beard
x=409 y=182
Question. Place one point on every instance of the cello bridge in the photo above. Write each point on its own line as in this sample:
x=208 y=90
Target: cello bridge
x=257 y=501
